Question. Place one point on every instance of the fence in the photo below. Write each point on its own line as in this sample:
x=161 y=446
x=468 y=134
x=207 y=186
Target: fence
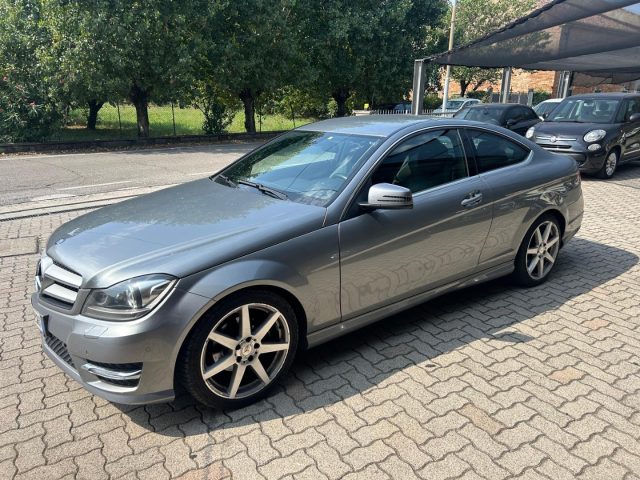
x=117 y=121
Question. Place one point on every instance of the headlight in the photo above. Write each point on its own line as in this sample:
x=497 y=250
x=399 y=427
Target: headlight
x=530 y=132
x=128 y=300
x=594 y=136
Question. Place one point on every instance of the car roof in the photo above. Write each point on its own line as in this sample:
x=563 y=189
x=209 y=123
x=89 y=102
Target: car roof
x=497 y=106
x=377 y=125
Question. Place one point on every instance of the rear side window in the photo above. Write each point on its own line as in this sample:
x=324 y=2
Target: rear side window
x=494 y=151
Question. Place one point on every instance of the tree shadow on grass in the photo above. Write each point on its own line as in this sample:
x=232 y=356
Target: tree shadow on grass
x=366 y=359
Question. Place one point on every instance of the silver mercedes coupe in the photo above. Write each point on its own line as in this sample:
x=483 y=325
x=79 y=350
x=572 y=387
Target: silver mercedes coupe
x=216 y=284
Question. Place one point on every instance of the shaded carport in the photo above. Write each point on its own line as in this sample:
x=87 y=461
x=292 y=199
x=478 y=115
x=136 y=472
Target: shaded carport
x=591 y=42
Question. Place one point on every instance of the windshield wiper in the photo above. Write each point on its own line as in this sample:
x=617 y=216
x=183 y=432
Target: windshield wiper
x=266 y=190
x=226 y=180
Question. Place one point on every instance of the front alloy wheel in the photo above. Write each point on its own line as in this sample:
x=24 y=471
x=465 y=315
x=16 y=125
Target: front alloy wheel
x=538 y=252
x=240 y=350
x=609 y=166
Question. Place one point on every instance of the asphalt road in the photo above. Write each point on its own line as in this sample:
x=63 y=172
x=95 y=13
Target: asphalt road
x=44 y=177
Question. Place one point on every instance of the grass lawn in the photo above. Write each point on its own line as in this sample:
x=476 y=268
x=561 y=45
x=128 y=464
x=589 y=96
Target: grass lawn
x=188 y=122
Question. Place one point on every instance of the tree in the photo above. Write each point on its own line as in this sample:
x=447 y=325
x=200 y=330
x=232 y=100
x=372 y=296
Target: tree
x=28 y=111
x=140 y=50
x=251 y=48
x=476 y=18
x=367 y=48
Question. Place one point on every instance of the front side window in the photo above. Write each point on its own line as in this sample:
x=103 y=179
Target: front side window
x=585 y=110
x=424 y=161
x=494 y=151
x=481 y=114
x=308 y=167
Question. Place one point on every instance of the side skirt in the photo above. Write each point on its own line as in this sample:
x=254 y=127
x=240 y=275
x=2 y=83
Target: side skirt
x=342 y=328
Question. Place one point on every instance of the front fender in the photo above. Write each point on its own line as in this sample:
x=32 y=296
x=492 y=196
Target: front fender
x=306 y=267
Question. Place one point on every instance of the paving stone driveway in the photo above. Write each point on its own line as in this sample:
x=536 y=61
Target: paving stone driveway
x=491 y=382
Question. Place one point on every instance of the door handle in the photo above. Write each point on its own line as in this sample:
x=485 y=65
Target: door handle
x=472 y=199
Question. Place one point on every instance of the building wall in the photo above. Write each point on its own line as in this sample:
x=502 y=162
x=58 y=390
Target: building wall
x=521 y=81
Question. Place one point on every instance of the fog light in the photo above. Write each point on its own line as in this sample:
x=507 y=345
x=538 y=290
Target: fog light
x=593 y=147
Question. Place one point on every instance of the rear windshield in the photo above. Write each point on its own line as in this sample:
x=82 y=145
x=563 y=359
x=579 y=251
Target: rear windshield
x=585 y=110
x=480 y=114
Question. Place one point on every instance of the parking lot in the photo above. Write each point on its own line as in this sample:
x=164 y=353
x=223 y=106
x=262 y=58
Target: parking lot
x=491 y=382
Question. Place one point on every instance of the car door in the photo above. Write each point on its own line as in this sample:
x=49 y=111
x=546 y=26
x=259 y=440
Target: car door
x=389 y=255
x=630 y=131
x=503 y=165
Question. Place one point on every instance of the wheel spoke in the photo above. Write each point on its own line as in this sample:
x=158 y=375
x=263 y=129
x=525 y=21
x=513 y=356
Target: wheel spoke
x=260 y=371
x=266 y=326
x=552 y=242
x=533 y=264
x=245 y=322
x=547 y=232
x=549 y=257
x=538 y=236
x=236 y=379
x=223 y=340
x=273 y=347
x=532 y=251
x=541 y=268
x=218 y=367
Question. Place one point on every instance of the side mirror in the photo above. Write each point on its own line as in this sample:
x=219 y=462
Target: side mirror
x=387 y=196
x=545 y=115
x=634 y=118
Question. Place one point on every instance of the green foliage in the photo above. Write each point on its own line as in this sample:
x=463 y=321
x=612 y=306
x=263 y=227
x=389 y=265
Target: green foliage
x=218 y=109
x=540 y=96
x=432 y=101
x=26 y=114
x=367 y=48
x=475 y=19
x=481 y=95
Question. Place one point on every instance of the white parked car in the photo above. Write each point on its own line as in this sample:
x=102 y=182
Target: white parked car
x=455 y=104
x=545 y=108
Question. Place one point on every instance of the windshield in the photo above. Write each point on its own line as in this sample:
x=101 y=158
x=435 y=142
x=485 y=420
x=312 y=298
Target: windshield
x=308 y=167
x=451 y=104
x=491 y=115
x=545 y=107
x=585 y=110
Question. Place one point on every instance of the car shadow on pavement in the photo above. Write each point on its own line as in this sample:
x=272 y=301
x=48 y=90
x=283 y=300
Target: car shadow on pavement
x=366 y=360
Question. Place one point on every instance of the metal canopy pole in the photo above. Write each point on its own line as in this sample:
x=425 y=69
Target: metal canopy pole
x=447 y=77
x=505 y=85
x=417 y=98
x=567 y=77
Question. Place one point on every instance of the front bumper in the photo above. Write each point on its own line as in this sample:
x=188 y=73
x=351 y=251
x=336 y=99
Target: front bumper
x=588 y=162
x=123 y=362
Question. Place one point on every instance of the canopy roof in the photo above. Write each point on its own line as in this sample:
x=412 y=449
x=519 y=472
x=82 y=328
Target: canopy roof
x=599 y=39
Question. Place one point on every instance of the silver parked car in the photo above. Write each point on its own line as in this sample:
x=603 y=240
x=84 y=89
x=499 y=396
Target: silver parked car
x=217 y=283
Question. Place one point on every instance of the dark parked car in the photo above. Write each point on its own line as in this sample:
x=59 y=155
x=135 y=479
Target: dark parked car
x=599 y=130
x=217 y=283
x=515 y=117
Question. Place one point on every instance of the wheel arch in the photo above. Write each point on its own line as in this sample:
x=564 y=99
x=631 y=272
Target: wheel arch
x=286 y=294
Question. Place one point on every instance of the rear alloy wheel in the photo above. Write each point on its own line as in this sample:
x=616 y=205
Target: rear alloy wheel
x=538 y=252
x=609 y=166
x=234 y=357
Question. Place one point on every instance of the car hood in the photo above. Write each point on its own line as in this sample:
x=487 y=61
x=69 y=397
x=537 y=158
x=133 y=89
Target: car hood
x=578 y=130
x=177 y=231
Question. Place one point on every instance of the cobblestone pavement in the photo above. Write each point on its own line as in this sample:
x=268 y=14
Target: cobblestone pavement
x=492 y=382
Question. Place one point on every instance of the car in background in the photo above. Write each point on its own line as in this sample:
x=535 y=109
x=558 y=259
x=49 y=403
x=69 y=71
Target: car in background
x=513 y=116
x=600 y=131
x=545 y=107
x=455 y=104
x=403 y=107
x=216 y=284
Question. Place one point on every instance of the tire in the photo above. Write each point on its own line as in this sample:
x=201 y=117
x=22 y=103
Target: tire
x=609 y=166
x=244 y=346
x=538 y=255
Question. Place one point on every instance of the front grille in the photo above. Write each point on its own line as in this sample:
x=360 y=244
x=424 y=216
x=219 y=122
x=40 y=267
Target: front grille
x=58 y=285
x=554 y=146
x=59 y=348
